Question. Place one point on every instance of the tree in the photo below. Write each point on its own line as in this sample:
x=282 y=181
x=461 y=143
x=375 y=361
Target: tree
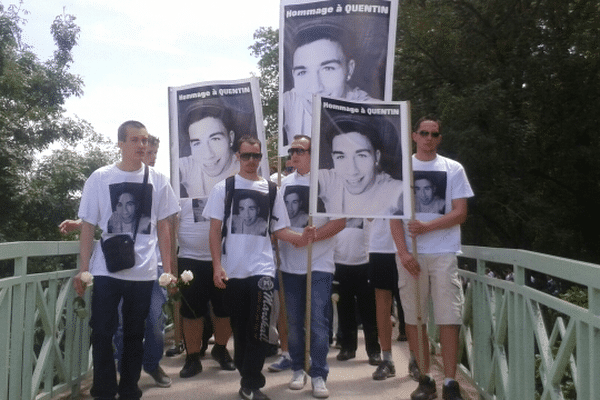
x=266 y=49
x=517 y=84
x=32 y=94
x=40 y=192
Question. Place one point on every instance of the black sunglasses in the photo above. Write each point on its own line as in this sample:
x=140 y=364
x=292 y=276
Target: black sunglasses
x=425 y=134
x=246 y=156
x=297 y=151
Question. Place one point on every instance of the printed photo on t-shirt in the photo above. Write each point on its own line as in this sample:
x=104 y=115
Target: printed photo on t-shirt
x=430 y=191
x=197 y=208
x=296 y=202
x=126 y=204
x=356 y=223
x=250 y=212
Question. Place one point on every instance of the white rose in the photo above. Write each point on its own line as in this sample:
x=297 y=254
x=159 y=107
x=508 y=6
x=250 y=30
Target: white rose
x=165 y=279
x=187 y=276
x=87 y=278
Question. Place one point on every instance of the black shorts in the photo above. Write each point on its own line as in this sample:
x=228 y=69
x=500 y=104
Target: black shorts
x=202 y=290
x=384 y=273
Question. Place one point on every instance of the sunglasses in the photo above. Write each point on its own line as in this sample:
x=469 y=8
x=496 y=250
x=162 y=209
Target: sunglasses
x=247 y=156
x=425 y=134
x=297 y=151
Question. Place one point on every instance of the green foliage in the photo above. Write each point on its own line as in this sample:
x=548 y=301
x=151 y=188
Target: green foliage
x=517 y=85
x=266 y=49
x=41 y=191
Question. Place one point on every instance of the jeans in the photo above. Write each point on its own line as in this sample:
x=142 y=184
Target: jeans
x=106 y=296
x=295 y=302
x=154 y=334
x=250 y=301
x=356 y=292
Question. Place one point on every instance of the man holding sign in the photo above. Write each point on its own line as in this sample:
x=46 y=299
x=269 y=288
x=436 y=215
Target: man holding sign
x=434 y=270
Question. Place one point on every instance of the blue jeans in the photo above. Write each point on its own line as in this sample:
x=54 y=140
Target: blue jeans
x=106 y=296
x=295 y=301
x=154 y=335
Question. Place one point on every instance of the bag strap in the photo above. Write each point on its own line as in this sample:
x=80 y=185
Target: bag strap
x=142 y=203
x=272 y=196
x=229 y=187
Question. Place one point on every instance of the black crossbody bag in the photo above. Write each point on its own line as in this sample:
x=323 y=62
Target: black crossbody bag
x=119 y=250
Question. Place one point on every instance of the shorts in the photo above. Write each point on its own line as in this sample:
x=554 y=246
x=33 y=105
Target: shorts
x=383 y=272
x=439 y=281
x=201 y=290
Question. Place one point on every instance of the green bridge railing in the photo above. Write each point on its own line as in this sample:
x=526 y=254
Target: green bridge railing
x=517 y=342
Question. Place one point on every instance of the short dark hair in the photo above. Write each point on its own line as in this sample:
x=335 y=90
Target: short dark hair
x=153 y=141
x=251 y=140
x=317 y=29
x=427 y=118
x=122 y=131
x=354 y=123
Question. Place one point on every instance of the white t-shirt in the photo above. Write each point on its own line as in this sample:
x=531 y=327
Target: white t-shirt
x=96 y=208
x=383 y=198
x=193 y=230
x=247 y=254
x=352 y=247
x=456 y=187
x=380 y=238
x=295 y=260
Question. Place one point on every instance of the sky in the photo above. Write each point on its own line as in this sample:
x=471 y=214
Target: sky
x=130 y=52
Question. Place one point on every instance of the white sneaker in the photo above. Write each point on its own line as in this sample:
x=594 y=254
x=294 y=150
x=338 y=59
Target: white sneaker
x=298 y=380
x=319 y=390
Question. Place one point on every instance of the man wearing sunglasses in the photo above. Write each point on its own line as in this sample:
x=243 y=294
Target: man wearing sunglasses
x=244 y=265
x=435 y=267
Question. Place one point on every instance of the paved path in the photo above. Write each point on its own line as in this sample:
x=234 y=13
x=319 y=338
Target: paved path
x=347 y=380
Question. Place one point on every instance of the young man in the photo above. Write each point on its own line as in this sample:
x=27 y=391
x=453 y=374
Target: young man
x=321 y=64
x=435 y=268
x=133 y=285
x=294 y=272
x=244 y=265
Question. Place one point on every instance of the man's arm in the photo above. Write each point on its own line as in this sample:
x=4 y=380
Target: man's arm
x=298 y=239
x=70 y=225
x=406 y=258
x=457 y=216
x=165 y=238
x=215 y=239
x=174 y=222
x=330 y=229
x=86 y=246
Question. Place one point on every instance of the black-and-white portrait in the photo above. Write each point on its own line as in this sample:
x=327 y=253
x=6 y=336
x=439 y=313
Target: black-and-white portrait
x=361 y=159
x=430 y=191
x=126 y=205
x=335 y=49
x=210 y=118
x=356 y=223
x=296 y=202
x=197 y=208
x=250 y=212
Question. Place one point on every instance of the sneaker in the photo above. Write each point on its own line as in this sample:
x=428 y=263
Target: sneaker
x=191 y=367
x=385 y=370
x=425 y=390
x=220 y=353
x=176 y=350
x=413 y=369
x=451 y=391
x=160 y=377
x=252 y=394
x=345 y=355
x=281 y=365
x=375 y=359
x=298 y=381
x=319 y=390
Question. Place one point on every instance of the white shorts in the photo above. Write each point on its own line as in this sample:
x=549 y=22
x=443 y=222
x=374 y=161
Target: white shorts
x=439 y=281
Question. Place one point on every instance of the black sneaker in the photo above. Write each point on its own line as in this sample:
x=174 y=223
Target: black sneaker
x=176 y=350
x=192 y=366
x=345 y=355
x=160 y=377
x=451 y=391
x=252 y=394
x=413 y=369
x=375 y=359
x=221 y=355
x=425 y=390
x=385 y=370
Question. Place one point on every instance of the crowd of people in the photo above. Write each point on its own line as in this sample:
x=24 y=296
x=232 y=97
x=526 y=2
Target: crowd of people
x=248 y=247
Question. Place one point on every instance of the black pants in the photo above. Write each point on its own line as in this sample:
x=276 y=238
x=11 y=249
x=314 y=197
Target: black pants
x=249 y=301
x=355 y=291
